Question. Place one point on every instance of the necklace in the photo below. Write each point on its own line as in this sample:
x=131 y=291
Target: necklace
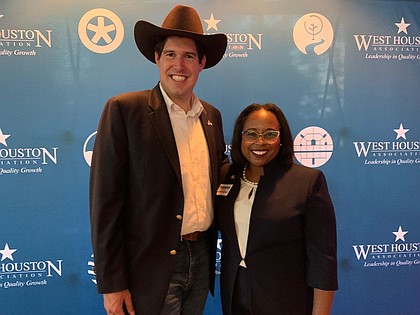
x=249 y=182
x=246 y=179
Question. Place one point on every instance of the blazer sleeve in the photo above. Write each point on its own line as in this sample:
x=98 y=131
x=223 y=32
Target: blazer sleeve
x=320 y=237
x=108 y=180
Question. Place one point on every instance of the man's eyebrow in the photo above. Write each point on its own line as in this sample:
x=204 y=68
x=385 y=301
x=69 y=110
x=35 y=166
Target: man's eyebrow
x=184 y=53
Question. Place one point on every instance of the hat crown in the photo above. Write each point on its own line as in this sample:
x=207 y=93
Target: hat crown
x=182 y=21
x=183 y=18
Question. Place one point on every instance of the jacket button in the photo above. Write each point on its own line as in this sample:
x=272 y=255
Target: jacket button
x=173 y=252
x=179 y=217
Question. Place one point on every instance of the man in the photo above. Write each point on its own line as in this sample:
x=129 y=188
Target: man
x=154 y=176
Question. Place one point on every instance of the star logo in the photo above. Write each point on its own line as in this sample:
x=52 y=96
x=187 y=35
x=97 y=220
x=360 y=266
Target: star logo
x=401 y=132
x=402 y=26
x=3 y=138
x=101 y=30
x=212 y=23
x=7 y=252
x=399 y=235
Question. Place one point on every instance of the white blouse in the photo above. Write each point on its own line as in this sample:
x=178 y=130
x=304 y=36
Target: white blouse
x=242 y=215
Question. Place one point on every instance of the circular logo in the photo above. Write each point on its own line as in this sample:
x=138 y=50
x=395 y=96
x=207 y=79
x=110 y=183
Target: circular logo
x=101 y=31
x=313 y=34
x=91 y=270
x=313 y=146
x=87 y=153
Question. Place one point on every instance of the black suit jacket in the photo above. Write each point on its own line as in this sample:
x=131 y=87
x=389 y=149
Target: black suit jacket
x=136 y=195
x=291 y=243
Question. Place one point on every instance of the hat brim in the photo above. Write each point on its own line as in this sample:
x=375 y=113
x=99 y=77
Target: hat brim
x=147 y=35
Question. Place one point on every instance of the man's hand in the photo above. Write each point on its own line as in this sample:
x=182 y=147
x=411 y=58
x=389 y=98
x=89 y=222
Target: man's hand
x=114 y=302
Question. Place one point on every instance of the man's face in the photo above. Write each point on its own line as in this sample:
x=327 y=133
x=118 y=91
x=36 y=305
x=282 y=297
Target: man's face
x=179 y=68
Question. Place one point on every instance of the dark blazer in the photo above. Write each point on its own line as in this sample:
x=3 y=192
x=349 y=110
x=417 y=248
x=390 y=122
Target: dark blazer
x=136 y=195
x=291 y=244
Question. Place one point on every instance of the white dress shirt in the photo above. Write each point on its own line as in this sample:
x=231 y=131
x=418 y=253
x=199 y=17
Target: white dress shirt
x=195 y=165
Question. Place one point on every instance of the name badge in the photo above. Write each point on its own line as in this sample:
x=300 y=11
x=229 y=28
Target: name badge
x=224 y=189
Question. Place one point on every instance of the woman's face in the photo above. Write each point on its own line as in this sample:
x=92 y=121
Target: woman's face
x=259 y=152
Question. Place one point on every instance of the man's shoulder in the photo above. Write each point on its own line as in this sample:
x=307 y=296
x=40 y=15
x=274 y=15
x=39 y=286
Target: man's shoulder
x=209 y=107
x=132 y=96
x=135 y=100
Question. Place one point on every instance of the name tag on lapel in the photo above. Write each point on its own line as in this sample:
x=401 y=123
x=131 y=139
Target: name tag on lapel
x=224 y=189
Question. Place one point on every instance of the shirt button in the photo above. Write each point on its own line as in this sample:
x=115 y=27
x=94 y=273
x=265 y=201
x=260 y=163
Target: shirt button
x=179 y=217
x=173 y=252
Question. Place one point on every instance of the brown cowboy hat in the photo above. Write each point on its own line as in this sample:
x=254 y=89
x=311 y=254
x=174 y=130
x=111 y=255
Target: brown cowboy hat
x=182 y=21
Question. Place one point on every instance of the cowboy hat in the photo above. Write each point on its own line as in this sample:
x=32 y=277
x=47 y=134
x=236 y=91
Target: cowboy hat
x=182 y=21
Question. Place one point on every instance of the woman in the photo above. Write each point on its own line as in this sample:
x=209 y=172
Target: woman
x=277 y=223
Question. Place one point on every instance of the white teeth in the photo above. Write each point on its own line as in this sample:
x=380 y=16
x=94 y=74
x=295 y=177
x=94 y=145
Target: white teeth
x=178 y=77
x=259 y=152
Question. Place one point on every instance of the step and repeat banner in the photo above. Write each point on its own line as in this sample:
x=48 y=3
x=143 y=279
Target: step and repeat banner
x=346 y=74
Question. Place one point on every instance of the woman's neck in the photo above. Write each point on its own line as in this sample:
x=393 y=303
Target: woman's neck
x=253 y=173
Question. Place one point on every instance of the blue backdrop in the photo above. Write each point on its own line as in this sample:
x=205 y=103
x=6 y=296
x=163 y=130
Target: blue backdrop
x=344 y=72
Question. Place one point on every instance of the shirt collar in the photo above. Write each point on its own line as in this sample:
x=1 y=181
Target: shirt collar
x=196 y=108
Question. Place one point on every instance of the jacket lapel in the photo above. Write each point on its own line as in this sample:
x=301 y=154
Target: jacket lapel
x=209 y=133
x=229 y=203
x=160 y=120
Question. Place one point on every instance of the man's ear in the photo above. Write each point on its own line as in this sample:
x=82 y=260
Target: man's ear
x=156 y=58
x=203 y=62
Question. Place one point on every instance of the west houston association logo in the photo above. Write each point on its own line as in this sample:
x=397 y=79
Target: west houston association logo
x=313 y=146
x=101 y=31
x=398 y=152
x=397 y=254
x=239 y=45
x=313 y=34
x=24 y=160
x=30 y=273
x=400 y=46
x=18 y=41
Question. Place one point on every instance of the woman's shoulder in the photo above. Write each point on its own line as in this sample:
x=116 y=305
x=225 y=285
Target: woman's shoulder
x=302 y=172
x=228 y=170
x=304 y=169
